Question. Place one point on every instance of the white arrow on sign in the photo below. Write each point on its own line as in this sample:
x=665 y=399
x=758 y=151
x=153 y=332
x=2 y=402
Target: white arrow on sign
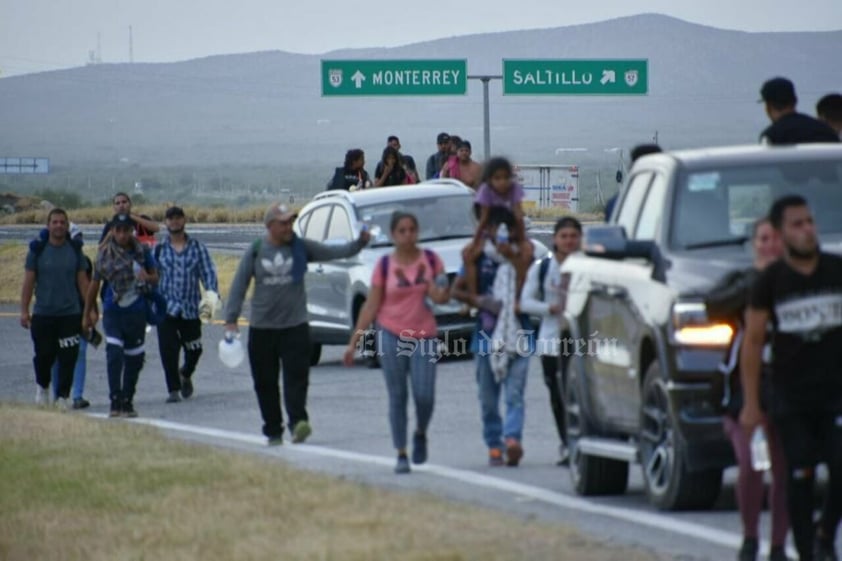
x=608 y=77
x=358 y=78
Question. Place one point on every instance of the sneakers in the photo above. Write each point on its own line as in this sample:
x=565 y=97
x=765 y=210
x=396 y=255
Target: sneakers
x=563 y=455
x=419 y=448
x=186 y=387
x=42 y=397
x=62 y=404
x=116 y=409
x=275 y=440
x=495 y=457
x=777 y=553
x=81 y=403
x=128 y=410
x=301 y=432
x=514 y=452
x=748 y=551
x=402 y=467
x=174 y=397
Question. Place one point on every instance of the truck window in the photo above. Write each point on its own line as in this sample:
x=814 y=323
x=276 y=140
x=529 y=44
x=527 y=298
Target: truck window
x=630 y=210
x=653 y=209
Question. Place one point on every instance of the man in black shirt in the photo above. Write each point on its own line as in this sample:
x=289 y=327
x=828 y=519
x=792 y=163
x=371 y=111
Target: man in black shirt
x=788 y=126
x=802 y=296
x=829 y=110
x=437 y=160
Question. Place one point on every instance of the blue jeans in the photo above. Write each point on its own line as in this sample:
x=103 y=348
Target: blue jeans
x=494 y=428
x=402 y=359
x=125 y=334
x=79 y=372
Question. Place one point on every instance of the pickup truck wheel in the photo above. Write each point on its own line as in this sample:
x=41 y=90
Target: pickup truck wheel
x=670 y=485
x=315 y=353
x=590 y=475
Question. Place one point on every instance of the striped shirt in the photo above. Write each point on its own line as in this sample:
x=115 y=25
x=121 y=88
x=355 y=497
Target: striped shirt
x=180 y=274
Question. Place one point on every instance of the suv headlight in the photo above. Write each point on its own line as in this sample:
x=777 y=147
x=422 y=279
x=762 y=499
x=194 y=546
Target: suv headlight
x=692 y=328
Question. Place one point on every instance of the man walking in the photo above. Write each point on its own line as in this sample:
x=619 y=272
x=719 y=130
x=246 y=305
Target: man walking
x=183 y=263
x=465 y=169
x=55 y=273
x=789 y=126
x=278 y=331
x=145 y=228
x=436 y=162
x=802 y=296
x=129 y=269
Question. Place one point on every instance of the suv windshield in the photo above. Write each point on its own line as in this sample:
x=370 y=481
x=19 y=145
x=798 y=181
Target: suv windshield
x=717 y=207
x=438 y=217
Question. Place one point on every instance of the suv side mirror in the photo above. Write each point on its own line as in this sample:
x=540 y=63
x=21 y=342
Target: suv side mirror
x=610 y=242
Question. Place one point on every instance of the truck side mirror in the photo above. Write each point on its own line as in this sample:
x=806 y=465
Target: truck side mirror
x=610 y=242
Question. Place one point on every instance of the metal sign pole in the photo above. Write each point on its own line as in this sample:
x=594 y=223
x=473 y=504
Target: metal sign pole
x=486 y=112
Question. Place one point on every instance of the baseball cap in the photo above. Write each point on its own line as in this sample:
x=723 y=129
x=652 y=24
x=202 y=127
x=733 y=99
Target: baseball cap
x=279 y=212
x=174 y=211
x=122 y=221
x=75 y=231
x=778 y=90
x=442 y=138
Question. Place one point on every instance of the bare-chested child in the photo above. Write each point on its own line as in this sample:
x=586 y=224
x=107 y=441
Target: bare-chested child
x=462 y=167
x=499 y=190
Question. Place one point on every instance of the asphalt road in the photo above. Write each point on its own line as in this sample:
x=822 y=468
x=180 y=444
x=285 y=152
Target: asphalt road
x=351 y=440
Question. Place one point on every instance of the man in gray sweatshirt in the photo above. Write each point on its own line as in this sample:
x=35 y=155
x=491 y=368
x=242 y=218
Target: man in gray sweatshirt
x=278 y=331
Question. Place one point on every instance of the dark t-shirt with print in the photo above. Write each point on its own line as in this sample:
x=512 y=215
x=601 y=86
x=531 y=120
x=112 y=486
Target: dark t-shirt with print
x=806 y=313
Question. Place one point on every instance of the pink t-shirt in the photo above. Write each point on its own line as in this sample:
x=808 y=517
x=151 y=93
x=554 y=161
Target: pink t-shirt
x=404 y=310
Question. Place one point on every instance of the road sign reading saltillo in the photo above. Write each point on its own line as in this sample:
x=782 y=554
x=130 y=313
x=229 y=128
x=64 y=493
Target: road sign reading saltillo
x=394 y=77
x=575 y=77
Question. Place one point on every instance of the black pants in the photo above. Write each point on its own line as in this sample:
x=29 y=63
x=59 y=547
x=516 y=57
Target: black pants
x=552 y=379
x=175 y=334
x=809 y=438
x=56 y=339
x=268 y=349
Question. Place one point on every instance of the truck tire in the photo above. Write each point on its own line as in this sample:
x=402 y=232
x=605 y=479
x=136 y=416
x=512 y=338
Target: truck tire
x=670 y=485
x=590 y=475
x=315 y=353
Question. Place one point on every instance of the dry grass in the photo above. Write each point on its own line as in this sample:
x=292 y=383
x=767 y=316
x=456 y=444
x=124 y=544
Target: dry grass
x=101 y=215
x=76 y=488
x=13 y=256
x=552 y=214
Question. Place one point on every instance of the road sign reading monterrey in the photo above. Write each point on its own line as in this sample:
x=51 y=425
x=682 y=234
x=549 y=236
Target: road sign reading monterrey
x=394 y=77
x=575 y=77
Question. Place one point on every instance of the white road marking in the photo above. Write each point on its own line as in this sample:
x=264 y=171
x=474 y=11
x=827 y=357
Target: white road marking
x=661 y=522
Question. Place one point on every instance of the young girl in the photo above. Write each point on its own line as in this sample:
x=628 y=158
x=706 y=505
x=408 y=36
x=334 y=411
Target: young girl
x=401 y=285
x=499 y=190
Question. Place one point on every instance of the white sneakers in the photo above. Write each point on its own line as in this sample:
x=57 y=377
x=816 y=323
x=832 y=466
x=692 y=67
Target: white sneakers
x=62 y=405
x=42 y=396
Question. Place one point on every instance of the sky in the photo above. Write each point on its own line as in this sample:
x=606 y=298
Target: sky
x=39 y=35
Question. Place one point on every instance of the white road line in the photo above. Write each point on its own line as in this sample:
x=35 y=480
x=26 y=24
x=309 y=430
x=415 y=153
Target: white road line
x=657 y=521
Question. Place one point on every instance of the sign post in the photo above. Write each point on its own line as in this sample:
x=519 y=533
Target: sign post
x=575 y=77
x=394 y=77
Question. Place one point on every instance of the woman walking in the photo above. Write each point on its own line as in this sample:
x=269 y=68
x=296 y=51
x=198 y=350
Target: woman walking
x=403 y=286
x=727 y=302
x=541 y=297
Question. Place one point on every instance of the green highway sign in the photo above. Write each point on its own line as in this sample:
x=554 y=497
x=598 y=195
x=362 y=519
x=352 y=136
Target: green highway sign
x=394 y=77
x=575 y=77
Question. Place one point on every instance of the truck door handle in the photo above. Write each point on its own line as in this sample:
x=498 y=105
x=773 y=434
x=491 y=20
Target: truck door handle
x=609 y=290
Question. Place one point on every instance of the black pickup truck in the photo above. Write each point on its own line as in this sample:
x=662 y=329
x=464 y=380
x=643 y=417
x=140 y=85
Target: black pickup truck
x=642 y=383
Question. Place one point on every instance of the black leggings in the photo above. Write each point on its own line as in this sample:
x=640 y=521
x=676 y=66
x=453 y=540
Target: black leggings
x=552 y=378
x=810 y=438
x=175 y=334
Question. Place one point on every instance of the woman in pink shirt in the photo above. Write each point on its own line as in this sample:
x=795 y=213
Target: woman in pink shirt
x=404 y=285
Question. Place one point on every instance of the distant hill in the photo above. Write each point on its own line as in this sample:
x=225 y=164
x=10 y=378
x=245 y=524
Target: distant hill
x=266 y=107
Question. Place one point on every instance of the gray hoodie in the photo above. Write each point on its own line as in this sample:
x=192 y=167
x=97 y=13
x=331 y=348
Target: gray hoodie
x=277 y=302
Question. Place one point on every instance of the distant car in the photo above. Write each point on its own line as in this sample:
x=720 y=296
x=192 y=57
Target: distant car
x=653 y=394
x=337 y=290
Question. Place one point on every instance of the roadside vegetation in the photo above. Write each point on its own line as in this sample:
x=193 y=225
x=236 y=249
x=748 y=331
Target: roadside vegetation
x=76 y=488
x=102 y=214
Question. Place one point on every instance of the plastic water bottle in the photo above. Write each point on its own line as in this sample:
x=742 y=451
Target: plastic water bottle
x=760 y=460
x=231 y=352
x=503 y=233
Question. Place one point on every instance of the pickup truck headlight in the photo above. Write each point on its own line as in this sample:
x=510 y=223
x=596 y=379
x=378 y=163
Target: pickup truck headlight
x=692 y=328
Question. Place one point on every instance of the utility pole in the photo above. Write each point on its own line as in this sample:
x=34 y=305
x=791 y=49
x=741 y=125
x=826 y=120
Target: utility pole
x=486 y=112
x=131 y=45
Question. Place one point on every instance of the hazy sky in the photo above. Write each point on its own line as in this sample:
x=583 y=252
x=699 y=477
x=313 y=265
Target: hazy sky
x=38 y=35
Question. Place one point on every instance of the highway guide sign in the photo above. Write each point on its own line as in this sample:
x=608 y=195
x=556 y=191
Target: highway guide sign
x=16 y=166
x=394 y=77
x=575 y=77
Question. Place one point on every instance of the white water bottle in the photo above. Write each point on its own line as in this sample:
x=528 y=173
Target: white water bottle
x=760 y=460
